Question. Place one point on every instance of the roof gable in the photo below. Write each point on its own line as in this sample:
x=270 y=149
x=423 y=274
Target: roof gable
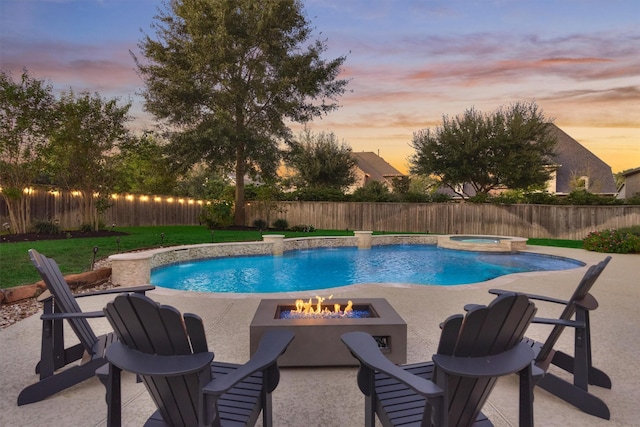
x=375 y=166
x=574 y=160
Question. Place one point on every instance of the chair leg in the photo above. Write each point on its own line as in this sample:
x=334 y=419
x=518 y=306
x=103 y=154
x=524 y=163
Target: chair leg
x=576 y=396
x=597 y=377
x=526 y=397
x=113 y=396
x=58 y=382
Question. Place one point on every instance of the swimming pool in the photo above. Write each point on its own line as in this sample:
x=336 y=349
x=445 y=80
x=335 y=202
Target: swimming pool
x=323 y=268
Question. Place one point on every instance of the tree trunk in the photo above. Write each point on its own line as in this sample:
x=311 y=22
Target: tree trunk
x=19 y=212
x=239 y=213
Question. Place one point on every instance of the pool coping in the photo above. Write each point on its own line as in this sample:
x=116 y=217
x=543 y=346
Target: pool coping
x=130 y=269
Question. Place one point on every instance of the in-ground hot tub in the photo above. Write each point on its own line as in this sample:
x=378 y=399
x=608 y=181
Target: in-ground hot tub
x=317 y=339
x=482 y=243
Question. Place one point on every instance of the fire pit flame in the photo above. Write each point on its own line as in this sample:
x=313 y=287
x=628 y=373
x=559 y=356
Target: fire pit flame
x=310 y=310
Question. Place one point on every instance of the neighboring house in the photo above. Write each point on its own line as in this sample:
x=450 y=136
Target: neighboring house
x=572 y=168
x=631 y=185
x=575 y=167
x=371 y=167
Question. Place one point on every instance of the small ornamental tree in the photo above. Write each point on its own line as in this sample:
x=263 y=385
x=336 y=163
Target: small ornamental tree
x=26 y=108
x=88 y=130
x=510 y=147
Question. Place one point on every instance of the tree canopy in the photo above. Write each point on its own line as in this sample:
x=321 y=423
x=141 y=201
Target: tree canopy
x=144 y=167
x=510 y=147
x=228 y=74
x=320 y=161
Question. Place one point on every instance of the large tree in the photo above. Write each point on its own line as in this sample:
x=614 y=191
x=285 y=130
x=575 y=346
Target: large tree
x=320 y=161
x=510 y=147
x=89 y=129
x=25 y=119
x=228 y=75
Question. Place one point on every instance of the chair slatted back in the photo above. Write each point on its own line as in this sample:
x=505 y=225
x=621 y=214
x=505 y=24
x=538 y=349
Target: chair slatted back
x=64 y=300
x=485 y=330
x=580 y=294
x=145 y=326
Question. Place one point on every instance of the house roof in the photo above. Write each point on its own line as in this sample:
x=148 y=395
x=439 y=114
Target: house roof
x=375 y=166
x=631 y=172
x=574 y=160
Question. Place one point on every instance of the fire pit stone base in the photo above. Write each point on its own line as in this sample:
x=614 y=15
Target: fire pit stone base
x=317 y=341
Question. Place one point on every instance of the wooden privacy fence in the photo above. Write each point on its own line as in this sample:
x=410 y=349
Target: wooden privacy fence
x=539 y=221
x=64 y=207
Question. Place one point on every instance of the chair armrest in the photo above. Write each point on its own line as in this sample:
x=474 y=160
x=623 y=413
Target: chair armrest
x=81 y=315
x=151 y=364
x=504 y=363
x=531 y=296
x=272 y=345
x=117 y=290
x=558 y=322
x=365 y=349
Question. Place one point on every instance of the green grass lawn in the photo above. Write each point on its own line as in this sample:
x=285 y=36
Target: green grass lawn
x=76 y=255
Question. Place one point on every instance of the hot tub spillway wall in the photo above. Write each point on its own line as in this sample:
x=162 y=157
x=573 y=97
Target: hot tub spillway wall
x=480 y=243
x=317 y=341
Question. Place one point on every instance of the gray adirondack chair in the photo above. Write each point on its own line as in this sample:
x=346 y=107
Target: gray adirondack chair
x=169 y=352
x=450 y=390
x=60 y=305
x=575 y=315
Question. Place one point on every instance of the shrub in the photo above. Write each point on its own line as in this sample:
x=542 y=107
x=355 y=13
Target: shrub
x=620 y=241
x=441 y=198
x=317 y=194
x=373 y=191
x=304 y=228
x=218 y=214
x=540 y=198
x=413 y=197
x=583 y=197
x=86 y=228
x=480 y=198
x=509 y=197
x=260 y=224
x=44 y=226
x=280 y=224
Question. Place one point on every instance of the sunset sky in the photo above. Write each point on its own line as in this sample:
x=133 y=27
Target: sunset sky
x=409 y=62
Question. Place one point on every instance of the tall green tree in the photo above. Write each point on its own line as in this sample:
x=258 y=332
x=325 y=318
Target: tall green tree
x=320 y=161
x=89 y=129
x=26 y=109
x=229 y=74
x=509 y=147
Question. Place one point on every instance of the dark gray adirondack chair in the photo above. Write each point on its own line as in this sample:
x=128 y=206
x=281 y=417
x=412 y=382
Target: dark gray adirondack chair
x=61 y=305
x=474 y=351
x=169 y=351
x=580 y=364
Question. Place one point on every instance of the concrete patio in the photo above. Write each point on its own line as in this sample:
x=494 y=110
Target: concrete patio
x=329 y=396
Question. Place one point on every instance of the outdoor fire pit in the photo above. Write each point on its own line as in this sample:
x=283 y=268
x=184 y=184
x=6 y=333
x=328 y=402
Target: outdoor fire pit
x=317 y=332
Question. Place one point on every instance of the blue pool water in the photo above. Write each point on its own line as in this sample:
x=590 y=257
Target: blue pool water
x=304 y=270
